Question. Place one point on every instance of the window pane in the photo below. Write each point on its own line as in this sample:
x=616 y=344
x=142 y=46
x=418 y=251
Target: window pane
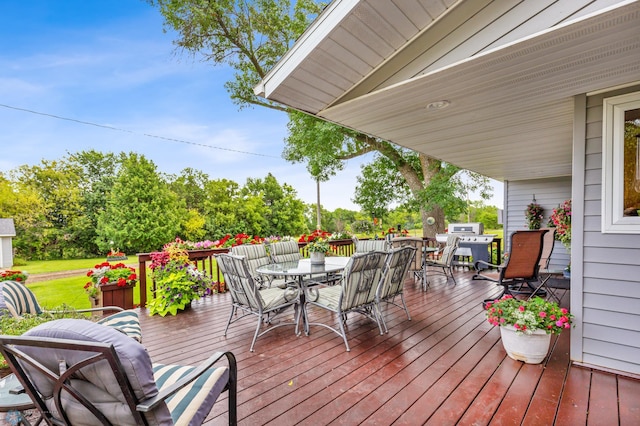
x=631 y=163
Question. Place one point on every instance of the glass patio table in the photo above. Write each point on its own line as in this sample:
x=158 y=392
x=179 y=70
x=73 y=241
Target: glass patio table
x=300 y=269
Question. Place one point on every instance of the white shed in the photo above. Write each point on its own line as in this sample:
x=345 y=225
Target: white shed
x=7 y=232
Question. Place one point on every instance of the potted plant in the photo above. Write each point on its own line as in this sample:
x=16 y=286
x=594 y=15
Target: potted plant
x=526 y=326
x=111 y=285
x=177 y=281
x=534 y=215
x=19 y=276
x=561 y=220
x=317 y=245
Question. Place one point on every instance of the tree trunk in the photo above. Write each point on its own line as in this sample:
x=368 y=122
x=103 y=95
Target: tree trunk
x=416 y=183
x=318 y=210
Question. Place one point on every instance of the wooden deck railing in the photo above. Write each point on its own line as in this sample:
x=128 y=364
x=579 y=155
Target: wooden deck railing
x=205 y=261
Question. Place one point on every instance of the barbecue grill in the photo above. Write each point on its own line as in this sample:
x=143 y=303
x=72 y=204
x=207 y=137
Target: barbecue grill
x=473 y=242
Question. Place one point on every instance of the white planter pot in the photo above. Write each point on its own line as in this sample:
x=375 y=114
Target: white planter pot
x=317 y=258
x=530 y=348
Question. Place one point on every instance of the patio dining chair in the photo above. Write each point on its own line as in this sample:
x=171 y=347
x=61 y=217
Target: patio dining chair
x=445 y=261
x=20 y=300
x=284 y=251
x=521 y=267
x=355 y=293
x=391 y=285
x=247 y=297
x=366 y=246
x=417 y=263
x=256 y=256
x=78 y=372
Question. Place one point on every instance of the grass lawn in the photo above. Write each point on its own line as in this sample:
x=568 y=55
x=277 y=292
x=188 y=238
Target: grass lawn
x=41 y=266
x=69 y=291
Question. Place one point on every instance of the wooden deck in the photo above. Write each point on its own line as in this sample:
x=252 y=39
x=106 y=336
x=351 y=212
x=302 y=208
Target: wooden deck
x=446 y=366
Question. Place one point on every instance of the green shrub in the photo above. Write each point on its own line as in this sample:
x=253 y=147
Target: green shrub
x=17 y=326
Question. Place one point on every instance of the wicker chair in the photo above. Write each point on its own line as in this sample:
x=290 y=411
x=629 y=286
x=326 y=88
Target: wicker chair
x=521 y=267
x=78 y=372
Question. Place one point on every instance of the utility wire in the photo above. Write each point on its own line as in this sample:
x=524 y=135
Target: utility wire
x=88 y=123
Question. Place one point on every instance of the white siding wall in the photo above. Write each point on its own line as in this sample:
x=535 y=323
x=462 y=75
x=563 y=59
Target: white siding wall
x=549 y=194
x=610 y=269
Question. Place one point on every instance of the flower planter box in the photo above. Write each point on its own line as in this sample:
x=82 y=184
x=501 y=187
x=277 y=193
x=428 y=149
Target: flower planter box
x=112 y=295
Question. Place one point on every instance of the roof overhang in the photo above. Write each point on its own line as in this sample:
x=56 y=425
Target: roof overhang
x=510 y=114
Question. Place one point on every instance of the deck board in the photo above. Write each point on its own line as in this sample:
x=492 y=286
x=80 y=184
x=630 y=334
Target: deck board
x=445 y=366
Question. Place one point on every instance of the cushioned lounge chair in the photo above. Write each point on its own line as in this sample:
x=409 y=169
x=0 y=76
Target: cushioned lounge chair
x=78 y=372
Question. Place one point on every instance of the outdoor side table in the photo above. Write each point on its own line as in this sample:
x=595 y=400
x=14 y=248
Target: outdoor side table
x=14 y=404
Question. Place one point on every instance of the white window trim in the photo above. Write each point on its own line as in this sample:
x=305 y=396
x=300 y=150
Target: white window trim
x=613 y=220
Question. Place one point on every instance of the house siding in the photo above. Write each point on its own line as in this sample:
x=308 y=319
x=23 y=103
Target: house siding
x=549 y=193
x=610 y=311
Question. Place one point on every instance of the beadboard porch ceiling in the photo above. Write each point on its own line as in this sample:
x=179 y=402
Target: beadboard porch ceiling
x=509 y=71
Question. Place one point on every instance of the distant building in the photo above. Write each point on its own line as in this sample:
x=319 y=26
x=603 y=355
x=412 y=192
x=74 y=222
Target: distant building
x=7 y=232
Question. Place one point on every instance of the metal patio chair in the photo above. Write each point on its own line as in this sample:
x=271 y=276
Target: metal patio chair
x=247 y=297
x=256 y=256
x=20 y=300
x=284 y=251
x=355 y=293
x=391 y=285
x=445 y=262
x=78 y=372
x=417 y=263
x=366 y=246
x=522 y=265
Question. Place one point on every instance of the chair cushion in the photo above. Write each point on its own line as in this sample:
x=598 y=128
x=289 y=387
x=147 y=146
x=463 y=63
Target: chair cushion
x=329 y=297
x=275 y=297
x=3 y=305
x=97 y=381
x=125 y=321
x=365 y=246
x=192 y=404
x=19 y=299
x=285 y=251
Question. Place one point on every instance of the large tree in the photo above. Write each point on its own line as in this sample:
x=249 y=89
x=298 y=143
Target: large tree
x=141 y=213
x=57 y=185
x=251 y=36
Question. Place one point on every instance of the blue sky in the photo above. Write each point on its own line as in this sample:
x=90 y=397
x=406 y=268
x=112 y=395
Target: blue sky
x=110 y=63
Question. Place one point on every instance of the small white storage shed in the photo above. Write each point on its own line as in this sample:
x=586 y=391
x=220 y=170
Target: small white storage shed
x=7 y=232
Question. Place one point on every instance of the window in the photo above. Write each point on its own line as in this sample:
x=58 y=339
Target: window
x=621 y=164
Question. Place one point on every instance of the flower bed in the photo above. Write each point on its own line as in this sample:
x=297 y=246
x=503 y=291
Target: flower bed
x=19 y=276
